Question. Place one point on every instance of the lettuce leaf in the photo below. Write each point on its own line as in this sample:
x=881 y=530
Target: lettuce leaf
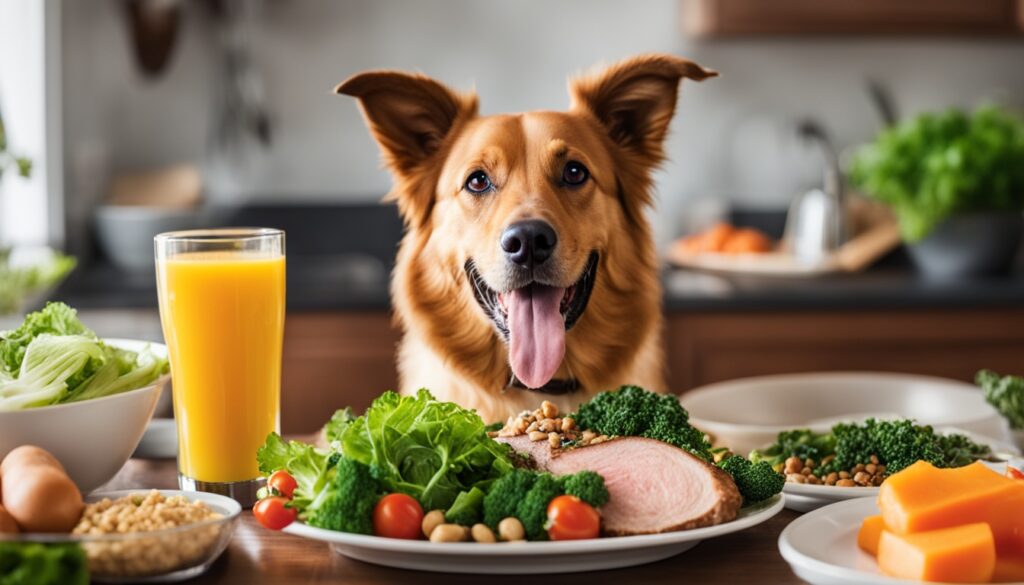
x=312 y=468
x=417 y=445
x=53 y=358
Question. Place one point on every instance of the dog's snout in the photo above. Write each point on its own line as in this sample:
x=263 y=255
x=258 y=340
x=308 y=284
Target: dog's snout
x=528 y=243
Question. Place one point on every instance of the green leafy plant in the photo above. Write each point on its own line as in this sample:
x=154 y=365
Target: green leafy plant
x=21 y=163
x=938 y=165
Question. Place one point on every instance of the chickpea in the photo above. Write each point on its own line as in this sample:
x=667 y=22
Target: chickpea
x=845 y=483
x=432 y=520
x=796 y=478
x=813 y=480
x=793 y=465
x=538 y=436
x=870 y=468
x=831 y=478
x=548 y=409
x=511 y=529
x=874 y=459
x=809 y=464
x=862 y=478
x=844 y=475
x=448 y=533
x=481 y=533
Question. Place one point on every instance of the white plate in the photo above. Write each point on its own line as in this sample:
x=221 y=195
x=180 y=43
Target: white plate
x=821 y=547
x=802 y=497
x=520 y=558
x=768 y=264
x=816 y=400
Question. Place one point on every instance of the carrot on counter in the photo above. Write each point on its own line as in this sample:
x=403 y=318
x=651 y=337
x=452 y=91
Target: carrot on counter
x=923 y=497
x=870 y=533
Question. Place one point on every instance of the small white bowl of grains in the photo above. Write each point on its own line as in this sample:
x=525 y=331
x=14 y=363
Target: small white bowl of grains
x=147 y=536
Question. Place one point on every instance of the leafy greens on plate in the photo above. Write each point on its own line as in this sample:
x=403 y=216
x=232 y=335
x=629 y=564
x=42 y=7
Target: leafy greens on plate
x=52 y=358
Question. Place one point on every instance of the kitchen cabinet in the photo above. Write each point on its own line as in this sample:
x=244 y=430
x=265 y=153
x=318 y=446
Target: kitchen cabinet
x=332 y=360
x=336 y=359
x=716 y=346
x=727 y=18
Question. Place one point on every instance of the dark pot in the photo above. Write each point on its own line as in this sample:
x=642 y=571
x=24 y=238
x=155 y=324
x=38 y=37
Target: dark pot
x=971 y=244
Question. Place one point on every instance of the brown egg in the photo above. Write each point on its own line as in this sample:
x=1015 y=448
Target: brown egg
x=7 y=523
x=29 y=455
x=42 y=498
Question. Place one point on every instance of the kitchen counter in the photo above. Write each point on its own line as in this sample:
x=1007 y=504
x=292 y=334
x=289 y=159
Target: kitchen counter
x=257 y=555
x=356 y=283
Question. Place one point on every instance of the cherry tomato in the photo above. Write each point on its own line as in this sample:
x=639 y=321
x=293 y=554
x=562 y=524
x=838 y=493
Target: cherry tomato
x=283 y=483
x=570 y=518
x=1014 y=473
x=398 y=516
x=273 y=514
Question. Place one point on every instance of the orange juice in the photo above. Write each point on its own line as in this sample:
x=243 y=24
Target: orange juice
x=223 y=320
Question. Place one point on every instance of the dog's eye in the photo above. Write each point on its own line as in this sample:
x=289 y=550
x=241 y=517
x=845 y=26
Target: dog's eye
x=574 y=173
x=478 y=182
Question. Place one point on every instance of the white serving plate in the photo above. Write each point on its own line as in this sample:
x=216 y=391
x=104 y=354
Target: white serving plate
x=767 y=264
x=817 y=400
x=821 y=546
x=92 y=439
x=802 y=497
x=521 y=558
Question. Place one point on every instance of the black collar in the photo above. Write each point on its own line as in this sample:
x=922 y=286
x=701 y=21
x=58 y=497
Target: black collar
x=552 y=387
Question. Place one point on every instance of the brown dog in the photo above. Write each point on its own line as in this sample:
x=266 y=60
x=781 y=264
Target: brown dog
x=527 y=261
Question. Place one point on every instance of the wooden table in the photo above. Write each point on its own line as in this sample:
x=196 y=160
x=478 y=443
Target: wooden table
x=257 y=555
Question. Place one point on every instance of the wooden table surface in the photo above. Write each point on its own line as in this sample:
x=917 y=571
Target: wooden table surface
x=257 y=555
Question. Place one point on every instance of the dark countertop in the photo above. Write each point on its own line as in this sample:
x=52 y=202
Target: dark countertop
x=340 y=258
x=358 y=283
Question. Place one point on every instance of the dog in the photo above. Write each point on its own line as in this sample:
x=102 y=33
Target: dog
x=527 y=269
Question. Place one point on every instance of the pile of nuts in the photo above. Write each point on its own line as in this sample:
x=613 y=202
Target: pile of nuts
x=544 y=424
x=862 y=475
x=146 y=555
x=437 y=530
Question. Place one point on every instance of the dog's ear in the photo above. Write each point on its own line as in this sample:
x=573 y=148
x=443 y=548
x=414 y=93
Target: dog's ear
x=634 y=99
x=410 y=116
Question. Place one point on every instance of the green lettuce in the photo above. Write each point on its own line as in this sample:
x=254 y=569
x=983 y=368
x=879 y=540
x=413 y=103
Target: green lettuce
x=420 y=446
x=312 y=468
x=52 y=358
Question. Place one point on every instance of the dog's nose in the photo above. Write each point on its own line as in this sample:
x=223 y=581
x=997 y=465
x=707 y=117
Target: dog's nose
x=528 y=243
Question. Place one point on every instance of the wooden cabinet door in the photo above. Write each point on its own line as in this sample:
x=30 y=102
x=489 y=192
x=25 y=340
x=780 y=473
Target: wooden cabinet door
x=851 y=17
x=332 y=360
x=712 y=347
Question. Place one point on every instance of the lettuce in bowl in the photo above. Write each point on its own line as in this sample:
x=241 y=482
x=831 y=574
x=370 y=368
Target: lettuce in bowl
x=52 y=358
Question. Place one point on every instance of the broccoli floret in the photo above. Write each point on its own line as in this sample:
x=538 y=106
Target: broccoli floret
x=505 y=494
x=532 y=511
x=1006 y=393
x=466 y=508
x=632 y=411
x=347 y=505
x=960 y=450
x=756 y=481
x=587 y=486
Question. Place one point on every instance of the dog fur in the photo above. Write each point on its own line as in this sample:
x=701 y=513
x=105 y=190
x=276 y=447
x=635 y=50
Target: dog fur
x=432 y=138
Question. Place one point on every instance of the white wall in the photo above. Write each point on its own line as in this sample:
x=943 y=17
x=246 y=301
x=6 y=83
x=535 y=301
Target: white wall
x=32 y=130
x=731 y=139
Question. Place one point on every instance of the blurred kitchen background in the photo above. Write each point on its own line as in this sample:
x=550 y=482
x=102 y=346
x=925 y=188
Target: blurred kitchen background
x=140 y=116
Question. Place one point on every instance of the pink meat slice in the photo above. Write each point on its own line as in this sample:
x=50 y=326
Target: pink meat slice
x=536 y=333
x=653 y=487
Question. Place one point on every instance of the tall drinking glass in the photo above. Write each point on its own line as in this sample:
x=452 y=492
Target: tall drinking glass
x=222 y=310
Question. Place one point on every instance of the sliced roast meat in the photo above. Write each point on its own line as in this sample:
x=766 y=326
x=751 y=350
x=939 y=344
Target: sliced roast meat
x=653 y=486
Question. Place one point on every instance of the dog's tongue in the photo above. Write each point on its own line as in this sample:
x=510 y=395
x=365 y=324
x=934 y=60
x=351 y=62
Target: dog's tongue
x=536 y=333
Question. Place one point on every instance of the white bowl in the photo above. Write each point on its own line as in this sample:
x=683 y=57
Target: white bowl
x=126 y=233
x=749 y=413
x=93 y=438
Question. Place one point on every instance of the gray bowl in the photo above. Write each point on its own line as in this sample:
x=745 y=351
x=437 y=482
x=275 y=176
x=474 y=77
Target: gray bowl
x=126 y=233
x=970 y=244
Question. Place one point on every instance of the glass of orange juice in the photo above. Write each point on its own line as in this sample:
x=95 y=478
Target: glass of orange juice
x=222 y=305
